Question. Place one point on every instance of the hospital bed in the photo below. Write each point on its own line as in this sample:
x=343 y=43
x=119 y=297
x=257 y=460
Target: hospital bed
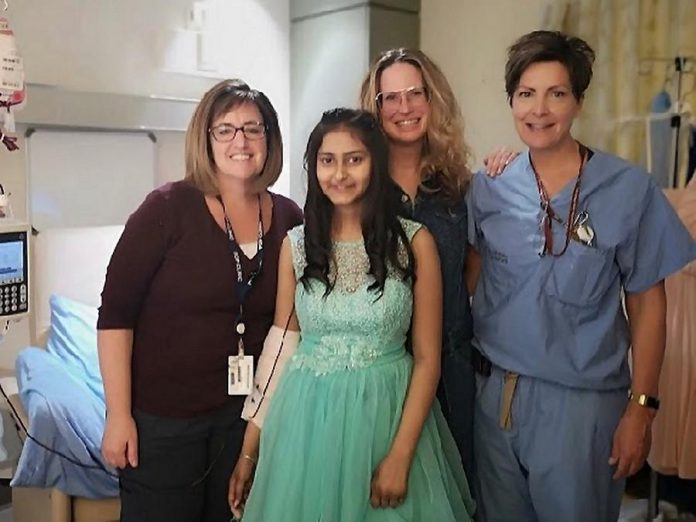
x=70 y=263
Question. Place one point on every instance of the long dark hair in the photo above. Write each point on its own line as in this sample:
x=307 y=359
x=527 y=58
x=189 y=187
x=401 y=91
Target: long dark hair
x=383 y=235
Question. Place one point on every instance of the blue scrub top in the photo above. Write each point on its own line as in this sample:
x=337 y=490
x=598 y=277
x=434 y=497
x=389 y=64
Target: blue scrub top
x=561 y=318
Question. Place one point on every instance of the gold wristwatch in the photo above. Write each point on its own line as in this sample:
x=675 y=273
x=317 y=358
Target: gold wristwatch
x=645 y=400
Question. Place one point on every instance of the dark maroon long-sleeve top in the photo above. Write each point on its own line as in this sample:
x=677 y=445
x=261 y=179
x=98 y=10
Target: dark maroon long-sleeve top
x=171 y=279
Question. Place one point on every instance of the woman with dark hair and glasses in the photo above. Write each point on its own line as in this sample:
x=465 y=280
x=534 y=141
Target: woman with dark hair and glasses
x=352 y=433
x=192 y=282
x=566 y=231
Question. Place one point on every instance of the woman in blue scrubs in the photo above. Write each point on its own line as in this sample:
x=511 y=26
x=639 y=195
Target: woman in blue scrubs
x=560 y=421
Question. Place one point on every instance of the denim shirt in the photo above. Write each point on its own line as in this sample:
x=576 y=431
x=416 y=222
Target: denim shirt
x=448 y=225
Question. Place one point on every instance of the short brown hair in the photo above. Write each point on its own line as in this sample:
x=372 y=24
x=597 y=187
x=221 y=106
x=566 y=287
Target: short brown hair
x=446 y=154
x=223 y=97
x=550 y=46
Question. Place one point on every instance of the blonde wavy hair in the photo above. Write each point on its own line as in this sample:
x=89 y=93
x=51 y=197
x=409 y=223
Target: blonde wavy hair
x=446 y=155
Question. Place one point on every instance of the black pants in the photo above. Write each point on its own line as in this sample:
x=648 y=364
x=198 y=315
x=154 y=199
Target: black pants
x=456 y=392
x=184 y=466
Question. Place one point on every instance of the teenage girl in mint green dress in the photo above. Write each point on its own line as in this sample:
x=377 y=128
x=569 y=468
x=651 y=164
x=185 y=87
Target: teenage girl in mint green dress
x=353 y=433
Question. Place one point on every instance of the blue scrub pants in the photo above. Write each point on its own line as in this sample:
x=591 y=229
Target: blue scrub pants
x=552 y=464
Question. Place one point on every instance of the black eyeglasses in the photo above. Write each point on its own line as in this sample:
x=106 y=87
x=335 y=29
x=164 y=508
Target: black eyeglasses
x=226 y=132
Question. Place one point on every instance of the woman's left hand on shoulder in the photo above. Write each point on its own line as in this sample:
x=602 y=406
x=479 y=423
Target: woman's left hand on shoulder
x=389 y=483
x=497 y=159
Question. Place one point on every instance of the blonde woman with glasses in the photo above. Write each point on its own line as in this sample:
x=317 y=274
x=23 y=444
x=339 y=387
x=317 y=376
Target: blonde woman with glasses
x=429 y=163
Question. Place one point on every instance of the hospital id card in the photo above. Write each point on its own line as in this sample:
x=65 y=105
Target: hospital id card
x=240 y=374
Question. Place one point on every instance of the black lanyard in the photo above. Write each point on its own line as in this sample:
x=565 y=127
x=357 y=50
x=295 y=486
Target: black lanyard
x=243 y=287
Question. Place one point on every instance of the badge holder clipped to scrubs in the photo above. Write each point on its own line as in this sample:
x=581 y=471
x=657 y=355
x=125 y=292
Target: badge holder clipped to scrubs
x=12 y=88
x=240 y=367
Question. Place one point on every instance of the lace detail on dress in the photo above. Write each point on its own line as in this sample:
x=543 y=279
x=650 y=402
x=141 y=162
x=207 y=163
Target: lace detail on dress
x=296 y=236
x=352 y=327
x=350 y=256
x=335 y=353
x=410 y=227
x=355 y=266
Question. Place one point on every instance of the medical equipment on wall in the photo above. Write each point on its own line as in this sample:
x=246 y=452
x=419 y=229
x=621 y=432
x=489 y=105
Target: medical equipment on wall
x=14 y=264
x=13 y=92
x=14 y=269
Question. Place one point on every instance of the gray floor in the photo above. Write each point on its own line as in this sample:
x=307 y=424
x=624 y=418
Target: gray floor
x=635 y=510
x=632 y=511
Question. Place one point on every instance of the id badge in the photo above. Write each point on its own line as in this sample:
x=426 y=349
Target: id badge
x=240 y=375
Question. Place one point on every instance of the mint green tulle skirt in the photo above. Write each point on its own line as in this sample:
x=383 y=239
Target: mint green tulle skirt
x=326 y=433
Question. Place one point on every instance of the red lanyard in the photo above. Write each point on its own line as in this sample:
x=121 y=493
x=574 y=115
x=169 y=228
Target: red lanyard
x=550 y=215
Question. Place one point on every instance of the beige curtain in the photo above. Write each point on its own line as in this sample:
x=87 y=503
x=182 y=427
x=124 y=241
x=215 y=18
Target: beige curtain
x=636 y=42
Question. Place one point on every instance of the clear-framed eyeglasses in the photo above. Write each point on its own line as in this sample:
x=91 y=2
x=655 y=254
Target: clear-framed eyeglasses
x=226 y=132
x=415 y=96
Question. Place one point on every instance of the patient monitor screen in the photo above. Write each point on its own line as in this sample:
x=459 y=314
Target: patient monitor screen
x=11 y=262
x=14 y=271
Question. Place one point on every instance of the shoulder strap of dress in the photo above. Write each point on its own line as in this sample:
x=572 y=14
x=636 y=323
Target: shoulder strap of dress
x=296 y=236
x=410 y=227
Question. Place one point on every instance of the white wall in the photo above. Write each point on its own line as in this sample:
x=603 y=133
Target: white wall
x=332 y=45
x=469 y=39
x=330 y=57
x=119 y=47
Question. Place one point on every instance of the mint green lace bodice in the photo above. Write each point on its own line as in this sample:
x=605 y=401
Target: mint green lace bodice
x=350 y=328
